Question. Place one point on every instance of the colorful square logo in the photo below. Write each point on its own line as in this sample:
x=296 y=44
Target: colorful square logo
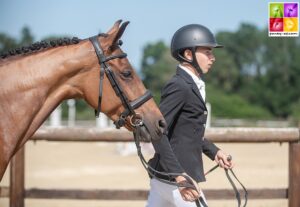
x=291 y=10
x=283 y=19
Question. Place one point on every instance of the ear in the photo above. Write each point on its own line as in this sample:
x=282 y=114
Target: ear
x=188 y=54
x=115 y=28
x=117 y=31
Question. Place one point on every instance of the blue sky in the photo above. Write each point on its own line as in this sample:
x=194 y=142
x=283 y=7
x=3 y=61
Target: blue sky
x=150 y=20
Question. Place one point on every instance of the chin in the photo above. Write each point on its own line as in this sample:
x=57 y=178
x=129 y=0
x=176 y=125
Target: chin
x=205 y=71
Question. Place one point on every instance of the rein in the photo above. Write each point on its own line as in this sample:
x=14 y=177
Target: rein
x=236 y=191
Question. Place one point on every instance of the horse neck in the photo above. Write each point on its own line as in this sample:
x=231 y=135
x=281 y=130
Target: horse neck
x=33 y=86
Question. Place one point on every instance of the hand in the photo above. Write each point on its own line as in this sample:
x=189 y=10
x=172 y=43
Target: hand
x=222 y=159
x=188 y=194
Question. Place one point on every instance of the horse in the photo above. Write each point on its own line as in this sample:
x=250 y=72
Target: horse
x=36 y=79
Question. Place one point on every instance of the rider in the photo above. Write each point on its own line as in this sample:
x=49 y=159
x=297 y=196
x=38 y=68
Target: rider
x=183 y=106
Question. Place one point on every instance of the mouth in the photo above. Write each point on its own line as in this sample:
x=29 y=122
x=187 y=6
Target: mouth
x=145 y=134
x=149 y=132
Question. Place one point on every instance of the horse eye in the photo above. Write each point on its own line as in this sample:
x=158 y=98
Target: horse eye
x=126 y=74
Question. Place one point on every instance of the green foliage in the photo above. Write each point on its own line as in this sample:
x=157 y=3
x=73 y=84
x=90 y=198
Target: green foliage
x=84 y=111
x=157 y=67
x=224 y=73
x=228 y=105
x=8 y=43
x=295 y=108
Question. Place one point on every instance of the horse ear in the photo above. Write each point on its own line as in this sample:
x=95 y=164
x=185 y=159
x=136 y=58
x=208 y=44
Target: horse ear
x=121 y=31
x=117 y=31
x=115 y=28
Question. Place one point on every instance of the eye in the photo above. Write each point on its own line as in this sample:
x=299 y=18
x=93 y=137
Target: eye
x=126 y=74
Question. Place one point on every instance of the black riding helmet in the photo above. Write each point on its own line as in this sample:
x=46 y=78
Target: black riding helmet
x=190 y=37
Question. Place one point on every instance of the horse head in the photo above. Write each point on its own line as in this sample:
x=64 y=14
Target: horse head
x=126 y=87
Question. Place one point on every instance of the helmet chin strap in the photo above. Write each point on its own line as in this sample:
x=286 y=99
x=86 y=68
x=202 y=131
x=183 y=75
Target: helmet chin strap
x=195 y=62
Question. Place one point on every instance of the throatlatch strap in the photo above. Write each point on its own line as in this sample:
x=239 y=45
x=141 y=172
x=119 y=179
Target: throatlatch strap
x=97 y=111
x=101 y=58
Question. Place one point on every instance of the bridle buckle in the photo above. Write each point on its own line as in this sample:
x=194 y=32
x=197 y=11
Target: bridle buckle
x=136 y=120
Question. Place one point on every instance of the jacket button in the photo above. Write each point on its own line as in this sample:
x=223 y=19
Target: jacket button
x=205 y=112
x=204 y=125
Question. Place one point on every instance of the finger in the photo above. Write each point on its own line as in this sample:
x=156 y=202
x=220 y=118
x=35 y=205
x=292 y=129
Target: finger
x=227 y=161
x=185 y=195
x=188 y=196
x=184 y=198
x=221 y=163
x=191 y=194
x=182 y=193
x=231 y=165
x=195 y=194
x=227 y=165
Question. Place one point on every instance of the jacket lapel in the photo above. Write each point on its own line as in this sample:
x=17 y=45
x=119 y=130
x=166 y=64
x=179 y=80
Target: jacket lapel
x=185 y=76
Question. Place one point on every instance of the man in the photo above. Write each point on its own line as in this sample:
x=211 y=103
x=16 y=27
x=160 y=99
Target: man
x=183 y=106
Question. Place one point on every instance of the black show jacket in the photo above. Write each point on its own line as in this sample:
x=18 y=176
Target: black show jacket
x=185 y=112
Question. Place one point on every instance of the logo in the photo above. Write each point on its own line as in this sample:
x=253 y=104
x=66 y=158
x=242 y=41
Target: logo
x=283 y=19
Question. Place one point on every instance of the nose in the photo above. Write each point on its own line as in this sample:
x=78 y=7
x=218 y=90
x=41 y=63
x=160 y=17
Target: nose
x=162 y=126
x=213 y=58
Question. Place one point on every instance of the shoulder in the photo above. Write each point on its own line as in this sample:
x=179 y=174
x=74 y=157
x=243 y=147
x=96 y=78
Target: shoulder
x=176 y=83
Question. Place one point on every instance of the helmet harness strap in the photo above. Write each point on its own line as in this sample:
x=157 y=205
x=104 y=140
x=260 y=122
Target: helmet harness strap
x=193 y=62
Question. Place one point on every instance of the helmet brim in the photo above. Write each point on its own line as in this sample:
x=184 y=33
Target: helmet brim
x=219 y=46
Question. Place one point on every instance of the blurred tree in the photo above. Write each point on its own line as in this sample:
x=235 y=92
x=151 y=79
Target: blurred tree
x=157 y=67
x=224 y=73
x=26 y=37
x=8 y=43
x=281 y=83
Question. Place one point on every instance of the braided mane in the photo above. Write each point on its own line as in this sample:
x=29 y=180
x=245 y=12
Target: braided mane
x=39 y=46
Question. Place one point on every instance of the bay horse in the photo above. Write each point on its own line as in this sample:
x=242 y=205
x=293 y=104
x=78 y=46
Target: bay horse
x=33 y=84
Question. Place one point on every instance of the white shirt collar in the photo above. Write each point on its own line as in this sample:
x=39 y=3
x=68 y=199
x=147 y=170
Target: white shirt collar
x=198 y=81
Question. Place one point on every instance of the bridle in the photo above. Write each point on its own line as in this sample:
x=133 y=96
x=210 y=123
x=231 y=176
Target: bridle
x=129 y=106
x=137 y=122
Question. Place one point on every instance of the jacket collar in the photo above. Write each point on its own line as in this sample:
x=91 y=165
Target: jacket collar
x=184 y=75
x=187 y=78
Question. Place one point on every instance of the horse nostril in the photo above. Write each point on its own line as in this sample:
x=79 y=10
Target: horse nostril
x=162 y=126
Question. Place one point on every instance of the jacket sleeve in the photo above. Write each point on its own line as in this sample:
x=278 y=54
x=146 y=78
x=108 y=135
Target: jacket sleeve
x=172 y=100
x=209 y=149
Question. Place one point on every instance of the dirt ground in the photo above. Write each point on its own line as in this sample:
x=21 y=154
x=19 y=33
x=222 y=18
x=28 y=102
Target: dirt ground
x=99 y=165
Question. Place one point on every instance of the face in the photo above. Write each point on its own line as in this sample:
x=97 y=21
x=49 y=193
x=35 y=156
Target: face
x=205 y=58
x=132 y=87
